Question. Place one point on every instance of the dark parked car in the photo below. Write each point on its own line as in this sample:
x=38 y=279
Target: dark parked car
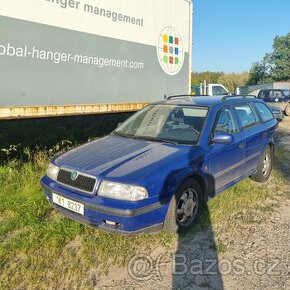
x=277 y=98
x=277 y=112
x=157 y=168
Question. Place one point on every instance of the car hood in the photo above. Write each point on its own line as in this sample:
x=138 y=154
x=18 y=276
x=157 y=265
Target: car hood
x=125 y=159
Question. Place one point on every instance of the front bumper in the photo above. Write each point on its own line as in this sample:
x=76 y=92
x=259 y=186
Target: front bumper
x=145 y=218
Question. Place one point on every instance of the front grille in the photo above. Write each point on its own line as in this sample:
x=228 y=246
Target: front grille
x=82 y=182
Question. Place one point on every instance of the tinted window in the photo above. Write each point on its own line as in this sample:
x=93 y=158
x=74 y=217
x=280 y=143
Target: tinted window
x=264 y=95
x=286 y=93
x=225 y=122
x=276 y=94
x=246 y=115
x=266 y=114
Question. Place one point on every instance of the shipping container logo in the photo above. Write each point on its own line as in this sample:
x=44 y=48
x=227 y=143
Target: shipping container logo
x=170 y=51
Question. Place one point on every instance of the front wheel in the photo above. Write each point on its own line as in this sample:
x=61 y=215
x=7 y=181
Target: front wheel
x=184 y=207
x=264 y=167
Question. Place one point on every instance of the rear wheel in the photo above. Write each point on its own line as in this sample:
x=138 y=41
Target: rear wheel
x=184 y=208
x=264 y=167
x=287 y=110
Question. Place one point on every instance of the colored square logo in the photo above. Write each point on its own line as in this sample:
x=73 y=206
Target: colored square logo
x=176 y=60
x=165 y=48
x=165 y=59
x=171 y=59
x=176 y=40
x=165 y=38
x=176 y=50
x=171 y=49
x=171 y=39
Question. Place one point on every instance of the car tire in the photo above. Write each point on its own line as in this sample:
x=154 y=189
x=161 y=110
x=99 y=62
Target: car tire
x=287 y=110
x=264 y=167
x=184 y=208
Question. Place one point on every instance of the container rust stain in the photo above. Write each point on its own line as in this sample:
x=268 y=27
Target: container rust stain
x=67 y=110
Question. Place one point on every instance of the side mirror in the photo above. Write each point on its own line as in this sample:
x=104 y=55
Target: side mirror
x=223 y=138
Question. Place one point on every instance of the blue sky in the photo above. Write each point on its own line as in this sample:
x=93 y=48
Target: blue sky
x=229 y=35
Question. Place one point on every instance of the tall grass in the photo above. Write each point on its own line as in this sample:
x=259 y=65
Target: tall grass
x=40 y=244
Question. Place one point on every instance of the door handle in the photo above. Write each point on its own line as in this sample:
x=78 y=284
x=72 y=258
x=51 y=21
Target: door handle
x=264 y=134
x=242 y=145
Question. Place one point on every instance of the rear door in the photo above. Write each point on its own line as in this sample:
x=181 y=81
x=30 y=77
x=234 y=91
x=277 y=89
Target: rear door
x=255 y=136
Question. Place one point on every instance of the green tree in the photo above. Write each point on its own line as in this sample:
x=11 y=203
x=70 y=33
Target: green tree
x=275 y=66
x=280 y=59
x=210 y=77
x=257 y=74
x=233 y=80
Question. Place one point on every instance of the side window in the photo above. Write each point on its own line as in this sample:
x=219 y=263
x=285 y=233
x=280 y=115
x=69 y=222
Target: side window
x=276 y=94
x=246 y=115
x=264 y=111
x=264 y=95
x=218 y=90
x=225 y=122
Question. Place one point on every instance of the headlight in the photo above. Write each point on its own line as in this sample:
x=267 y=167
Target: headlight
x=52 y=171
x=122 y=191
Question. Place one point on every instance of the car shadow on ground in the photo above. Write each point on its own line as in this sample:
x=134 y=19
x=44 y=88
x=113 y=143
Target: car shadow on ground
x=196 y=263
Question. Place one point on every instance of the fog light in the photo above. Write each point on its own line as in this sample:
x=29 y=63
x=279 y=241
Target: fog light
x=111 y=223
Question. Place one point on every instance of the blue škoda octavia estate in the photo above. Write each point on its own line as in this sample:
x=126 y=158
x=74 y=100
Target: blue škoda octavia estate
x=157 y=168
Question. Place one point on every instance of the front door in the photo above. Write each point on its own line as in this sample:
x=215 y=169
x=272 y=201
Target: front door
x=227 y=160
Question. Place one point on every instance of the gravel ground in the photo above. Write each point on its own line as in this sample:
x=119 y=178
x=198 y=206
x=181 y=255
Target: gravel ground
x=255 y=256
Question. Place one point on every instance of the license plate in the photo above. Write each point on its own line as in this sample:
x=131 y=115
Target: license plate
x=68 y=204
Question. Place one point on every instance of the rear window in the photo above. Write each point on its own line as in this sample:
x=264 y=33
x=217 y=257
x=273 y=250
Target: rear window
x=264 y=111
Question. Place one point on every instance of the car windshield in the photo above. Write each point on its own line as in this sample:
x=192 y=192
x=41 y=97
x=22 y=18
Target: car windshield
x=286 y=93
x=165 y=123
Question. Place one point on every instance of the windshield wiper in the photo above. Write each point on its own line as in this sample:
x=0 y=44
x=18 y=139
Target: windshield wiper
x=155 y=139
x=122 y=134
x=145 y=138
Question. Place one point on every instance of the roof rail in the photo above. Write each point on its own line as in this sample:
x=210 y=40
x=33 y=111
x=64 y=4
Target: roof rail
x=238 y=96
x=181 y=96
x=176 y=96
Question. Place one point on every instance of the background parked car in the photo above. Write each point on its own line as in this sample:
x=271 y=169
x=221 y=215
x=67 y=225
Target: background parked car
x=277 y=98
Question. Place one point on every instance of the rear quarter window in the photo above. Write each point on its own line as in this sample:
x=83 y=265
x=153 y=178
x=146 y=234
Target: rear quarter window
x=264 y=111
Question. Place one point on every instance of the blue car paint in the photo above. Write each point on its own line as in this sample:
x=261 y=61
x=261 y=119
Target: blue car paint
x=159 y=167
